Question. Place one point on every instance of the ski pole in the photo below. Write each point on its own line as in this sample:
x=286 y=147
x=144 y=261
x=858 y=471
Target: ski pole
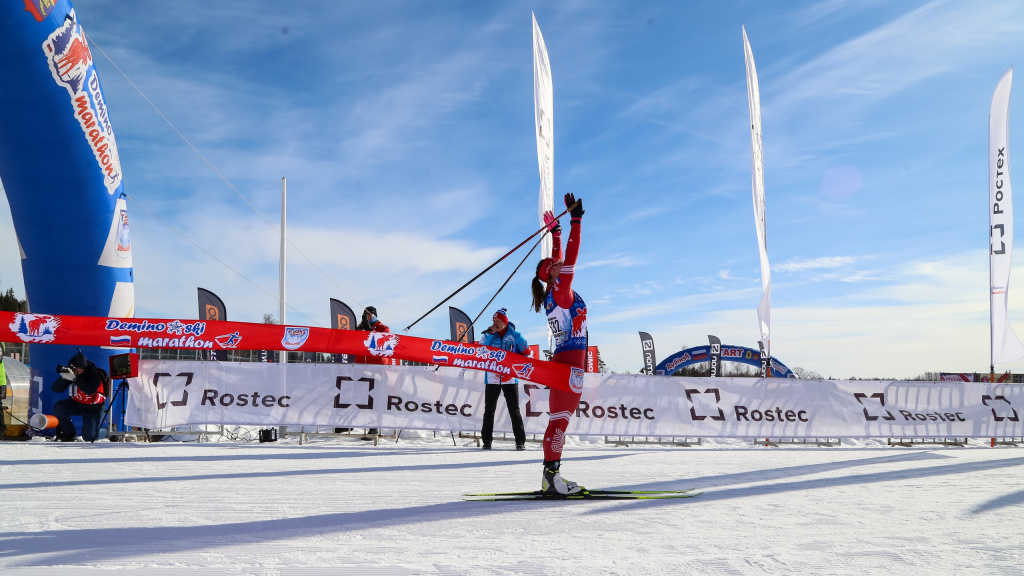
x=507 y=280
x=507 y=254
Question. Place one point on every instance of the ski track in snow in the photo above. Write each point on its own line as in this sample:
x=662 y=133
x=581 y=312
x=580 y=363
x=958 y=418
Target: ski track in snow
x=342 y=505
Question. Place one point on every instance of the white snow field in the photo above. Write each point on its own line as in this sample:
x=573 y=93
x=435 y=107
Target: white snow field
x=344 y=506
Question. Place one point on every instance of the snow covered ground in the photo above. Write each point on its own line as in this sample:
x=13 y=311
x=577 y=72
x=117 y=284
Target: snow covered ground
x=340 y=506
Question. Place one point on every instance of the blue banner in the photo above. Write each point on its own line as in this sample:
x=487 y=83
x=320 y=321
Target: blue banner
x=698 y=354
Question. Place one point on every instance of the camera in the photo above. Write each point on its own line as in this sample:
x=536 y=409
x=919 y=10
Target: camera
x=61 y=369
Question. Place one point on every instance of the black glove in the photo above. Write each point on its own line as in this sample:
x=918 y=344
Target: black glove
x=574 y=211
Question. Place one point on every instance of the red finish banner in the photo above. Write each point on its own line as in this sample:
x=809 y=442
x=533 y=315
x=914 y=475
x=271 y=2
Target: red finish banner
x=180 y=334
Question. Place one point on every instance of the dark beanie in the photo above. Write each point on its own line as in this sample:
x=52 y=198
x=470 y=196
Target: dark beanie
x=78 y=361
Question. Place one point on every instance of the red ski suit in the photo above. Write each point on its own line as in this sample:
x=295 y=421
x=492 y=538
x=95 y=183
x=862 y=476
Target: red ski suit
x=567 y=317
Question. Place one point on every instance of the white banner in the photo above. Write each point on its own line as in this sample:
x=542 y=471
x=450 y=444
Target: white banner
x=1006 y=347
x=757 y=182
x=544 y=109
x=177 y=393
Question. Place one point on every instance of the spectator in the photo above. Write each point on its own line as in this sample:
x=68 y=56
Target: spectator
x=371 y=323
x=502 y=334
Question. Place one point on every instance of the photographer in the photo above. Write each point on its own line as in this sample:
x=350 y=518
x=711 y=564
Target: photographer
x=87 y=386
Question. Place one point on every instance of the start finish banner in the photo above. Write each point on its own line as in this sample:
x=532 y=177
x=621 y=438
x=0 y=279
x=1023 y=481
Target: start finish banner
x=182 y=334
x=177 y=393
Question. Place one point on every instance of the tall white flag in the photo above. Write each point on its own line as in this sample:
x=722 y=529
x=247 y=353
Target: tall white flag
x=757 y=177
x=1006 y=347
x=543 y=106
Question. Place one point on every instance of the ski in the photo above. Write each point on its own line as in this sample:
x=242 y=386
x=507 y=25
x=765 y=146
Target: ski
x=584 y=495
x=594 y=492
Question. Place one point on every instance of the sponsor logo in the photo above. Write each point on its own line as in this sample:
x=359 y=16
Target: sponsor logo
x=369 y=397
x=397 y=404
x=212 y=312
x=71 y=65
x=214 y=398
x=179 y=327
x=691 y=392
x=740 y=413
x=130 y=326
x=295 y=337
x=160 y=405
x=125 y=340
x=523 y=370
x=621 y=411
x=471 y=350
x=381 y=344
x=35 y=327
x=124 y=241
x=440 y=359
x=228 y=340
x=876 y=407
x=576 y=380
x=186 y=333
x=873 y=411
x=39 y=9
x=678 y=361
x=1011 y=416
x=648 y=344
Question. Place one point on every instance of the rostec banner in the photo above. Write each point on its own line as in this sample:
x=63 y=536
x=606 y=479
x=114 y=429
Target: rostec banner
x=544 y=112
x=757 y=184
x=180 y=334
x=1006 y=347
x=176 y=393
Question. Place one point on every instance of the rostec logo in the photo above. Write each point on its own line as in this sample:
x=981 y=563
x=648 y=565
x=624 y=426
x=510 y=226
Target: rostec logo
x=691 y=392
x=985 y=398
x=184 y=394
x=880 y=396
x=369 y=397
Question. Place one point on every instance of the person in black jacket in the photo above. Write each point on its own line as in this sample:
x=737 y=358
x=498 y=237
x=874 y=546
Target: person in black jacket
x=87 y=388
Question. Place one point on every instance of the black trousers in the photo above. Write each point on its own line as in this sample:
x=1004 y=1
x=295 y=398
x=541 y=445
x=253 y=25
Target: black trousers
x=511 y=392
x=91 y=415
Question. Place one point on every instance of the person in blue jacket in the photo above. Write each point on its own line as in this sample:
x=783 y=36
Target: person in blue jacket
x=502 y=334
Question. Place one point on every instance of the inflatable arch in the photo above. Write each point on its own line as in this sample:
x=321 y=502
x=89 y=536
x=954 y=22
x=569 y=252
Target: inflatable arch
x=60 y=169
x=690 y=356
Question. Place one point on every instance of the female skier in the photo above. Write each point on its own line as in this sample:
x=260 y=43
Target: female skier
x=567 y=319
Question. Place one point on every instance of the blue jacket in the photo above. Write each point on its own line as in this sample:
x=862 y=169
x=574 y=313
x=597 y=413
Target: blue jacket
x=513 y=341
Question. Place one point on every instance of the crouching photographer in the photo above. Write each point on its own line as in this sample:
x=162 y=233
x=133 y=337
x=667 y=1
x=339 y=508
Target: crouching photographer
x=87 y=386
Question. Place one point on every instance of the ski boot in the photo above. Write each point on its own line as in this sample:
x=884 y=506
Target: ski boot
x=554 y=485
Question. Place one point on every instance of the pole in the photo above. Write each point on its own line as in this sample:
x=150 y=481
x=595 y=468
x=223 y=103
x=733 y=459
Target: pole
x=507 y=254
x=282 y=431
x=507 y=280
x=284 y=247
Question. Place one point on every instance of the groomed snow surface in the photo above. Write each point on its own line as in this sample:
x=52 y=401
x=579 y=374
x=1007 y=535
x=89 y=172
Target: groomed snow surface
x=344 y=506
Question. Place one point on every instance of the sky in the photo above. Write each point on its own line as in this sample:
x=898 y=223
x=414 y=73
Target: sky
x=406 y=133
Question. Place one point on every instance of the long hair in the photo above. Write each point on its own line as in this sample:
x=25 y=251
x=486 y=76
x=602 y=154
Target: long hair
x=538 y=289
